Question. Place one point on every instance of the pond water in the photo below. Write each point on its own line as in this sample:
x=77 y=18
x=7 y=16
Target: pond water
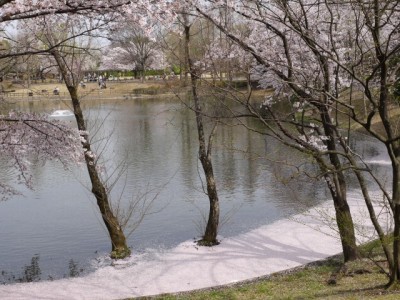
x=55 y=230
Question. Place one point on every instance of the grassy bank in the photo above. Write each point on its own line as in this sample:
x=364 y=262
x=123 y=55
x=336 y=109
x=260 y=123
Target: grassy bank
x=311 y=282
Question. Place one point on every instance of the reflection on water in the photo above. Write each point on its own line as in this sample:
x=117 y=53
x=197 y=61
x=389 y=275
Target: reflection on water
x=157 y=141
x=33 y=273
x=60 y=113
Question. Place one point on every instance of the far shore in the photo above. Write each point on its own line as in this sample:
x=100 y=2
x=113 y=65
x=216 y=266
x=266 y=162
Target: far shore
x=124 y=89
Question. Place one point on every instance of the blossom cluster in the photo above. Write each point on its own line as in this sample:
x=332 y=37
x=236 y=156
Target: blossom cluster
x=311 y=42
x=26 y=136
x=315 y=141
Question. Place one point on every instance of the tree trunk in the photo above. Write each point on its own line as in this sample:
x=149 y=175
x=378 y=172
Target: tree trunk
x=395 y=268
x=143 y=73
x=211 y=231
x=346 y=227
x=210 y=235
x=374 y=219
x=118 y=240
x=338 y=189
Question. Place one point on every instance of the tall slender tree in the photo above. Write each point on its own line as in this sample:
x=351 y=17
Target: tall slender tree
x=205 y=150
x=69 y=50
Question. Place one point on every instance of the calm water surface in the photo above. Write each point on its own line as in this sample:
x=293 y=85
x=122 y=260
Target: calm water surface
x=57 y=225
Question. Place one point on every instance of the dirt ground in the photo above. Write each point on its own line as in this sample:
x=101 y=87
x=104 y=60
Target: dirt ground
x=118 y=86
x=114 y=90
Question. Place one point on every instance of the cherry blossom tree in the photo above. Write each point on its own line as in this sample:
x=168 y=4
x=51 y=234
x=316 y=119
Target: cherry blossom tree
x=65 y=46
x=312 y=54
x=24 y=136
x=137 y=12
x=70 y=58
x=334 y=178
x=215 y=55
x=133 y=47
x=113 y=58
x=205 y=147
x=194 y=42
